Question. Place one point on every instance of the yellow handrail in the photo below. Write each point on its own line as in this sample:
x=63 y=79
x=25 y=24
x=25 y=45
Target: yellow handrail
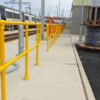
x=53 y=31
x=3 y=65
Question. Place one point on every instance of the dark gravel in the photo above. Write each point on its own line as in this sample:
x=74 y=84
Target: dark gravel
x=91 y=63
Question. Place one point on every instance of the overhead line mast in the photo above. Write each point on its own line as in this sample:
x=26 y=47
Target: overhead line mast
x=21 y=30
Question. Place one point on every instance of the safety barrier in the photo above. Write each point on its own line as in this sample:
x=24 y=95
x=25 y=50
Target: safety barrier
x=3 y=65
x=53 y=31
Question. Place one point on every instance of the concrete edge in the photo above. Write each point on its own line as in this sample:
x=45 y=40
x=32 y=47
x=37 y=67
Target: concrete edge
x=85 y=82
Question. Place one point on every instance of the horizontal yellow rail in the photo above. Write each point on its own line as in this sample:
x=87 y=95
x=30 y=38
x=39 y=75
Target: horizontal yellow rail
x=2 y=68
x=3 y=65
x=17 y=23
x=53 y=31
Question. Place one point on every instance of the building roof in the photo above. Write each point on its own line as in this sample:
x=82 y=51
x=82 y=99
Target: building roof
x=79 y=2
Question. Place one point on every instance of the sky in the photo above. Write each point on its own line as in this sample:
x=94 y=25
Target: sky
x=50 y=6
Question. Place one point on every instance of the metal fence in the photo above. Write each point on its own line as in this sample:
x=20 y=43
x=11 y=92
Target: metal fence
x=53 y=31
x=3 y=65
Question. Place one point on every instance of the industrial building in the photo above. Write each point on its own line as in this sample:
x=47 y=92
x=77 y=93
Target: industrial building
x=76 y=13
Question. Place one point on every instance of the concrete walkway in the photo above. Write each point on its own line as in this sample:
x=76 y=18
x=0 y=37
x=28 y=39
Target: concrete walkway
x=56 y=78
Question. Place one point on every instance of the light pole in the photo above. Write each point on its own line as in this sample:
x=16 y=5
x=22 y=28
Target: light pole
x=43 y=17
x=81 y=25
x=59 y=8
x=49 y=12
x=57 y=11
x=62 y=15
x=21 y=31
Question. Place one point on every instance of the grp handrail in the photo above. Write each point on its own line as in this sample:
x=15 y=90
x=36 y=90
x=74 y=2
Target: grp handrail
x=53 y=31
x=3 y=65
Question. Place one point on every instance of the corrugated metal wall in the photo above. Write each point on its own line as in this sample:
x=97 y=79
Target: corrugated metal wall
x=79 y=2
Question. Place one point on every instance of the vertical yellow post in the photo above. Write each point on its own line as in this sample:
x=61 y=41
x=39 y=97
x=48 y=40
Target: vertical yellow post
x=26 y=56
x=40 y=36
x=47 y=37
x=50 y=35
x=37 y=41
x=53 y=34
x=47 y=44
x=2 y=62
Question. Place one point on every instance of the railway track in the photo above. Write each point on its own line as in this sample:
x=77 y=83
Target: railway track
x=14 y=36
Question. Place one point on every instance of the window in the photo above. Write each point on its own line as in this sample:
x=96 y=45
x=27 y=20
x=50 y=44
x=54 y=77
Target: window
x=16 y=16
x=12 y=15
x=9 y=14
x=26 y=17
x=2 y=12
x=33 y=19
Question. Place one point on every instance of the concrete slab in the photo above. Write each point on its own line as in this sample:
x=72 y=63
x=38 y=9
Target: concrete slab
x=86 y=84
x=56 y=78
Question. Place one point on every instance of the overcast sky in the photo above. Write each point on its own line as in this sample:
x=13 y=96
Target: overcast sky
x=51 y=6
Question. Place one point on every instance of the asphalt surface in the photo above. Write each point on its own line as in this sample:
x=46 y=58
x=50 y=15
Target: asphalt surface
x=91 y=63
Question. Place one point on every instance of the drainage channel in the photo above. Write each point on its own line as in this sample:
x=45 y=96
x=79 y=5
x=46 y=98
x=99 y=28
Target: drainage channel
x=91 y=63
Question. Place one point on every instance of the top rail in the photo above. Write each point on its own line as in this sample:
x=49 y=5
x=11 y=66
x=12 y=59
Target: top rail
x=17 y=23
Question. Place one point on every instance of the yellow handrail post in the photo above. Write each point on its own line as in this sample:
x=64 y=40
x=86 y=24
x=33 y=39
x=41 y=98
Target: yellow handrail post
x=2 y=62
x=26 y=56
x=50 y=35
x=53 y=36
x=40 y=36
x=37 y=47
x=47 y=37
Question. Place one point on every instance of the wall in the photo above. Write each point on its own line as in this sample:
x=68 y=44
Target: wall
x=67 y=23
x=76 y=19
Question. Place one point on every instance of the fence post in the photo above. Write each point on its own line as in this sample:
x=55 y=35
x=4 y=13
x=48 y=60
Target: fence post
x=40 y=36
x=2 y=61
x=47 y=36
x=53 y=34
x=50 y=35
x=37 y=41
x=26 y=77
